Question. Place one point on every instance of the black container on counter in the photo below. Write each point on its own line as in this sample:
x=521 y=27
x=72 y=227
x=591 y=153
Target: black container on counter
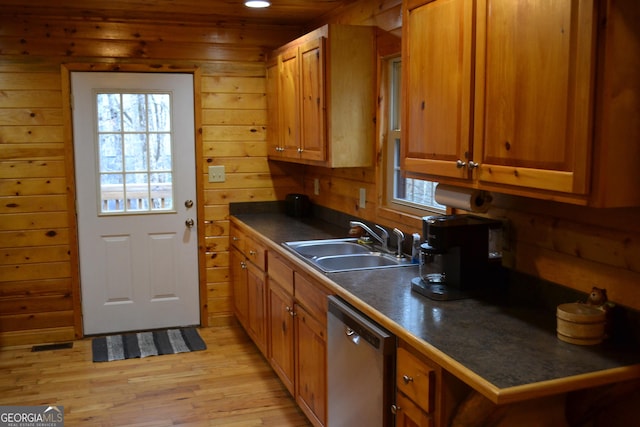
x=297 y=205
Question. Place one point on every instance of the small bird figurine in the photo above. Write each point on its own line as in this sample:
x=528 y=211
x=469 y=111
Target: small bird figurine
x=598 y=299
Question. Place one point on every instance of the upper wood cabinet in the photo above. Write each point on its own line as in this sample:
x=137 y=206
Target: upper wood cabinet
x=321 y=98
x=437 y=83
x=535 y=70
x=502 y=95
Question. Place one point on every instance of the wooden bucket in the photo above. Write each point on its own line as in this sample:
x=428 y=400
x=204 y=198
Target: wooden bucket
x=580 y=324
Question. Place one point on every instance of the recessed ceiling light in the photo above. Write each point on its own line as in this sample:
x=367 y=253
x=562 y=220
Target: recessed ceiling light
x=257 y=3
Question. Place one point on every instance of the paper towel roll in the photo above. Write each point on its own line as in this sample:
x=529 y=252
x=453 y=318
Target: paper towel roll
x=469 y=199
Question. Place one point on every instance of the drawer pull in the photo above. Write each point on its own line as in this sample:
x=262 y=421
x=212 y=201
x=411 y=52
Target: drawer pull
x=407 y=379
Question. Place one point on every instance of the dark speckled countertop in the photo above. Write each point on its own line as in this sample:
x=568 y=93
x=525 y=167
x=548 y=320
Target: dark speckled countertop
x=506 y=352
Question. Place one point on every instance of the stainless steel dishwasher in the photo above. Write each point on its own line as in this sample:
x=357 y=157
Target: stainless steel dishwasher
x=360 y=368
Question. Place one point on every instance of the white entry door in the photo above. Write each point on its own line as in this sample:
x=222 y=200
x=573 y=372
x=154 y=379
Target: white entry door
x=134 y=149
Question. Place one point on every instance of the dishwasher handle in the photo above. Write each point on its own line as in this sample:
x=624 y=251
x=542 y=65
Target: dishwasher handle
x=352 y=335
x=360 y=325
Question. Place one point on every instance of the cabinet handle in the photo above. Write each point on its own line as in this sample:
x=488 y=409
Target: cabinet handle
x=407 y=379
x=252 y=253
x=473 y=165
x=460 y=164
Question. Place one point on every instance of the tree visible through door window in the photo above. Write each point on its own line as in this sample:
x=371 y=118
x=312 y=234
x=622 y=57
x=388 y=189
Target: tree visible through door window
x=135 y=152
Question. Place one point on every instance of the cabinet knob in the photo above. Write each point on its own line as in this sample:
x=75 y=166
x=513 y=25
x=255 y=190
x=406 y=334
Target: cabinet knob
x=235 y=239
x=243 y=265
x=395 y=409
x=252 y=252
x=407 y=379
x=300 y=150
x=473 y=165
x=460 y=164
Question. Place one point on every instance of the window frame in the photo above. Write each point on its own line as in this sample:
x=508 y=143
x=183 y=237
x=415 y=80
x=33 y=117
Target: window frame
x=391 y=133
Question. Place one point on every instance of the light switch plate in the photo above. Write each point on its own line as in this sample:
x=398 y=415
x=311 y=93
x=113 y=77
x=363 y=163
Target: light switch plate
x=216 y=174
x=363 y=198
x=316 y=186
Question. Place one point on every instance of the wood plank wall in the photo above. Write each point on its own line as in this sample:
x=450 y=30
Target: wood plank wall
x=576 y=247
x=39 y=299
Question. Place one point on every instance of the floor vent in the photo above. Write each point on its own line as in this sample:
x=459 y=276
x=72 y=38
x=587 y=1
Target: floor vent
x=47 y=347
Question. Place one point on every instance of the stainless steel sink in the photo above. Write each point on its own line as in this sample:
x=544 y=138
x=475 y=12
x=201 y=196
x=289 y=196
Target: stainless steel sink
x=319 y=248
x=333 y=255
x=356 y=262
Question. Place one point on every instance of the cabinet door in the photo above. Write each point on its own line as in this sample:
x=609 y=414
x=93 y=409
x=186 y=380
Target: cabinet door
x=408 y=414
x=281 y=334
x=273 y=111
x=312 y=106
x=239 y=288
x=311 y=380
x=533 y=112
x=289 y=98
x=437 y=83
x=256 y=309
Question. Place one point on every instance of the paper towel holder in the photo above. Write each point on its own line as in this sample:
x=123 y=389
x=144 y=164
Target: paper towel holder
x=469 y=199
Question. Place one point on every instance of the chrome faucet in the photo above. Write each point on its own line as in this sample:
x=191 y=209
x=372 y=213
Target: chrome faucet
x=383 y=239
x=400 y=236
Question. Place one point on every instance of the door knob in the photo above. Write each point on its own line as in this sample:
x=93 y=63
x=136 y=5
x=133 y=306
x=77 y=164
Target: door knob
x=188 y=203
x=189 y=223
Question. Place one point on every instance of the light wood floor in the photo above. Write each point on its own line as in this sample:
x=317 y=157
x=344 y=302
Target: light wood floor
x=229 y=384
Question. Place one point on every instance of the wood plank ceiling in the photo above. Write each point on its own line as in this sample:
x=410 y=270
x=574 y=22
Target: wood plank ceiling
x=281 y=12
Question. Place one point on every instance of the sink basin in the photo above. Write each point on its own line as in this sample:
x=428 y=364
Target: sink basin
x=333 y=255
x=357 y=262
x=320 y=248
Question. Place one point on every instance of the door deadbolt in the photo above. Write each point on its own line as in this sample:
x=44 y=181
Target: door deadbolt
x=188 y=203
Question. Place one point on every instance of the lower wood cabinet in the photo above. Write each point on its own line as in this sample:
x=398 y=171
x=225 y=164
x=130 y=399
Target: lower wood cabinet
x=415 y=384
x=280 y=333
x=296 y=332
x=248 y=258
x=408 y=414
x=426 y=394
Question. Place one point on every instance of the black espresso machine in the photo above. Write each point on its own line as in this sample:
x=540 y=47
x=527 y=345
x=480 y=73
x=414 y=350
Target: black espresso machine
x=460 y=258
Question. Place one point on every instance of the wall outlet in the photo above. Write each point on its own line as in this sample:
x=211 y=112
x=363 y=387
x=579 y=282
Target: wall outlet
x=363 y=198
x=216 y=174
x=316 y=186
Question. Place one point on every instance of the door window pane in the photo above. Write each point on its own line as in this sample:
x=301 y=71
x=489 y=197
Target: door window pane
x=135 y=146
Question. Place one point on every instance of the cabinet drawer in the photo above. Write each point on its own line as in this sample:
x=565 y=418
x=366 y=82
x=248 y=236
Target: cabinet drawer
x=256 y=252
x=408 y=414
x=236 y=237
x=415 y=379
x=279 y=271
x=312 y=296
